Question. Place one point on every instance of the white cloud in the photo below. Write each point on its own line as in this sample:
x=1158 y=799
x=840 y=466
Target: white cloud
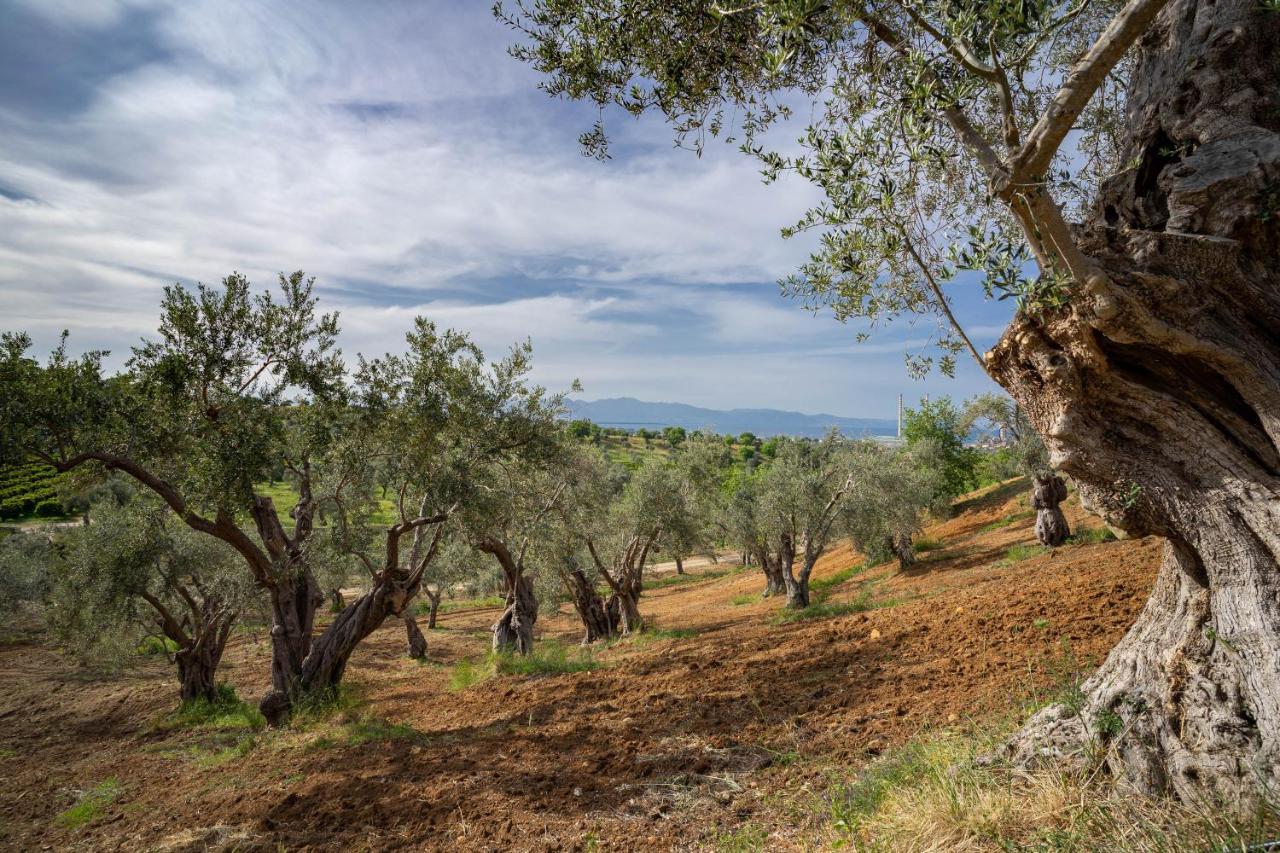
x=399 y=146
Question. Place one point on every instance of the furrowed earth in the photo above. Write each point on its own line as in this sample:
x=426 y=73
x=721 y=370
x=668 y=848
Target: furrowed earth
x=723 y=718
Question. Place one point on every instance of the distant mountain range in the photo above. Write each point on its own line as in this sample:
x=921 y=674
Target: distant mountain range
x=631 y=413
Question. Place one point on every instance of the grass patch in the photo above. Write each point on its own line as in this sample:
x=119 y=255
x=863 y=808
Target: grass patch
x=312 y=709
x=925 y=543
x=227 y=711
x=378 y=730
x=825 y=610
x=89 y=804
x=1092 y=536
x=549 y=658
x=1018 y=553
x=1011 y=518
x=746 y=598
x=824 y=584
x=932 y=794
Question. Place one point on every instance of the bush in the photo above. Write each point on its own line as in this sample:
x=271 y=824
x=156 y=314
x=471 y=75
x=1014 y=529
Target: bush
x=153 y=645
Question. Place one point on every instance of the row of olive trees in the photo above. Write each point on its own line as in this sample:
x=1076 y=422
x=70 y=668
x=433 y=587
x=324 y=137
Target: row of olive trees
x=236 y=387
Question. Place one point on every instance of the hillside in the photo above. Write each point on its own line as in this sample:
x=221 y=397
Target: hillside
x=724 y=724
x=632 y=414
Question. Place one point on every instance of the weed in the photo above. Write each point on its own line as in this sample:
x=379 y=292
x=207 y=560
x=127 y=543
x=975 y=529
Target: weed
x=740 y=600
x=89 y=804
x=378 y=730
x=1040 y=623
x=312 y=708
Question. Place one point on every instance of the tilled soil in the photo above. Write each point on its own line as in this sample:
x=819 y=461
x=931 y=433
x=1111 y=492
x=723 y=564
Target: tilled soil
x=672 y=743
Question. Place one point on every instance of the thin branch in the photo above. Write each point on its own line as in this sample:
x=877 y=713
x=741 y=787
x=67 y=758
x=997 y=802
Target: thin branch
x=959 y=51
x=942 y=300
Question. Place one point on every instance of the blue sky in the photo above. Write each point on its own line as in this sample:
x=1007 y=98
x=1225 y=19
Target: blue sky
x=394 y=151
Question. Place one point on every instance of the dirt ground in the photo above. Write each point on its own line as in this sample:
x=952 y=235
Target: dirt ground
x=675 y=742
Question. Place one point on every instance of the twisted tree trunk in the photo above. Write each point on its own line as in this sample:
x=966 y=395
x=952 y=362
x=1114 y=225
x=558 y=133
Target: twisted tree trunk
x=434 y=598
x=590 y=606
x=417 y=644
x=774 y=584
x=198 y=656
x=1158 y=390
x=904 y=549
x=513 y=632
x=1047 y=492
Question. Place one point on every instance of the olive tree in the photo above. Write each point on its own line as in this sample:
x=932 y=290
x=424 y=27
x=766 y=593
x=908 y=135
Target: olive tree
x=1031 y=459
x=1110 y=167
x=803 y=491
x=138 y=572
x=889 y=491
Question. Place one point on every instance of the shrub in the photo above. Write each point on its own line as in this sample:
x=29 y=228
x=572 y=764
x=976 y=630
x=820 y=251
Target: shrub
x=153 y=645
x=49 y=509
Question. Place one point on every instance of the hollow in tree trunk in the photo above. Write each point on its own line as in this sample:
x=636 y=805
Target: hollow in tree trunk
x=1158 y=390
x=1047 y=492
x=417 y=644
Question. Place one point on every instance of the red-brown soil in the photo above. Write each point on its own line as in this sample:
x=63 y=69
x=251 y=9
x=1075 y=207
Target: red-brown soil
x=672 y=743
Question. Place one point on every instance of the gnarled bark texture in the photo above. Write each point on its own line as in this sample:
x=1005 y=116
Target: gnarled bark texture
x=416 y=642
x=514 y=629
x=1158 y=391
x=904 y=549
x=595 y=615
x=774 y=584
x=1047 y=493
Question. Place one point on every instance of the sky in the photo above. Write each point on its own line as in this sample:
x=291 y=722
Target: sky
x=394 y=151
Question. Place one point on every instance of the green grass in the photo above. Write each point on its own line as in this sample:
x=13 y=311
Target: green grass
x=549 y=658
x=1011 y=518
x=90 y=804
x=826 y=609
x=925 y=543
x=1092 y=536
x=227 y=712
x=285 y=498
x=822 y=585
x=740 y=600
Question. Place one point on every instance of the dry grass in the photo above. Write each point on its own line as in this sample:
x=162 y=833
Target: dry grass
x=931 y=795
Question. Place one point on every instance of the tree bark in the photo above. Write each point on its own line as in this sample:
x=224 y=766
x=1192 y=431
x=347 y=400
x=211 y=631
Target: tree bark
x=904 y=549
x=679 y=566
x=513 y=632
x=629 y=619
x=294 y=601
x=434 y=598
x=1047 y=492
x=774 y=583
x=413 y=635
x=590 y=606
x=1158 y=390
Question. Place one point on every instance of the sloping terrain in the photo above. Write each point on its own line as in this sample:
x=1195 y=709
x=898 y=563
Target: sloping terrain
x=722 y=718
